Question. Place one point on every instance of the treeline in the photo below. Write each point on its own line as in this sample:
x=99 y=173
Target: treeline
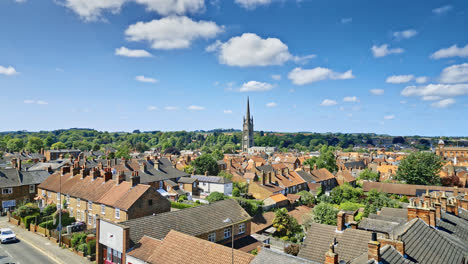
x=227 y=142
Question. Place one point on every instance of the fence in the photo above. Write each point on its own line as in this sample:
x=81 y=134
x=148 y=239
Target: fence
x=279 y=243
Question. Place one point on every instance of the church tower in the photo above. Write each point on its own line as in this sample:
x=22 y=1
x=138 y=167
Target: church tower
x=247 y=130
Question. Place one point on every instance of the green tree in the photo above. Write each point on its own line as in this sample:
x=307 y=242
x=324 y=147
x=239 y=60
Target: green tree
x=15 y=144
x=58 y=145
x=420 y=168
x=324 y=213
x=346 y=193
x=48 y=141
x=225 y=174
x=215 y=196
x=123 y=152
x=306 y=198
x=368 y=175
x=326 y=159
x=205 y=163
x=285 y=224
x=217 y=154
x=34 y=144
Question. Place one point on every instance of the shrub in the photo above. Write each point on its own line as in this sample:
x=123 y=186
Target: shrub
x=27 y=209
x=48 y=224
x=182 y=198
x=83 y=248
x=293 y=239
x=77 y=239
x=50 y=209
x=236 y=192
x=350 y=206
x=404 y=199
x=358 y=217
x=29 y=220
x=254 y=252
x=215 y=196
x=285 y=238
x=292 y=249
x=180 y=205
x=91 y=247
x=251 y=206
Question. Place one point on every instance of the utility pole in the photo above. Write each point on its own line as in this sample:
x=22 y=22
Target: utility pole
x=228 y=220
x=60 y=212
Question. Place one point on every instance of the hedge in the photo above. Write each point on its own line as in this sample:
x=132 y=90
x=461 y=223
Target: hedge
x=30 y=219
x=181 y=205
x=91 y=247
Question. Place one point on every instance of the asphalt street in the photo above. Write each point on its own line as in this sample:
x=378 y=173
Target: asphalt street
x=21 y=253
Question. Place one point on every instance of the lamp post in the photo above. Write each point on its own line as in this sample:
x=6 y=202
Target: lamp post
x=228 y=220
x=60 y=212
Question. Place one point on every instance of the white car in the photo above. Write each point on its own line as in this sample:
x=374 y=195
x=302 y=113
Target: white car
x=7 y=235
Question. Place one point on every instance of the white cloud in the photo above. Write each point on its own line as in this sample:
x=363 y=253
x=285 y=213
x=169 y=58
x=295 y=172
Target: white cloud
x=172 y=32
x=136 y=53
x=254 y=86
x=453 y=51
x=8 y=70
x=403 y=102
x=399 y=78
x=196 y=107
x=405 y=34
x=91 y=10
x=389 y=117
x=351 y=99
x=421 y=79
x=383 y=50
x=346 y=20
x=276 y=77
x=272 y=104
x=443 y=90
x=29 y=101
x=227 y=111
x=431 y=98
x=20 y=1
x=251 y=50
x=443 y=103
x=252 y=4
x=442 y=10
x=42 y=102
x=303 y=59
x=455 y=74
x=377 y=91
x=328 y=102
x=152 y=108
x=301 y=76
x=142 y=78
x=39 y=102
x=171 y=108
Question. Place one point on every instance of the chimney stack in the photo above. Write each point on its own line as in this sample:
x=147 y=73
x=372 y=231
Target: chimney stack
x=438 y=211
x=443 y=201
x=135 y=179
x=64 y=169
x=397 y=244
x=331 y=257
x=107 y=174
x=156 y=164
x=95 y=173
x=432 y=217
x=19 y=165
x=143 y=166
x=120 y=177
x=373 y=248
x=206 y=173
x=13 y=163
x=340 y=221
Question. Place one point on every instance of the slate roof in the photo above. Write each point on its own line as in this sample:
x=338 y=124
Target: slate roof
x=9 y=178
x=394 y=212
x=388 y=218
x=376 y=225
x=405 y=189
x=355 y=164
x=351 y=243
x=266 y=168
x=305 y=176
x=211 y=179
x=193 y=221
x=189 y=180
x=388 y=255
x=269 y=256
x=321 y=175
x=13 y=177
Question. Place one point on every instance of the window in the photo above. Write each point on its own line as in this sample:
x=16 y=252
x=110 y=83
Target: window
x=58 y=197
x=160 y=185
x=194 y=185
x=241 y=228
x=49 y=194
x=82 y=216
x=150 y=202
x=59 y=206
x=212 y=237
x=94 y=221
x=7 y=191
x=78 y=201
x=32 y=188
x=78 y=215
x=71 y=211
x=103 y=209
x=90 y=205
x=43 y=193
x=227 y=232
x=117 y=213
x=90 y=219
x=68 y=199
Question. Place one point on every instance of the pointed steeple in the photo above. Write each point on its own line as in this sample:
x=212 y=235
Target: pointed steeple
x=248 y=109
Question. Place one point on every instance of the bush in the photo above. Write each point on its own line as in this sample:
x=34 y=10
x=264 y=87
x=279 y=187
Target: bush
x=30 y=219
x=306 y=198
x=77 y=239
x=91 y=247
x=325 y=214
x=293 y=239
x=285 y=238
x=48 y=224
x=83 y=248
x=180 y=205
x=254 y=252
x=350 y=206
x=215 y=196
x=50 y=209
x=292 y=249
x=182 y=198
x=26 y=210
x=404 y=199
x=250 y=206
x=236 y=192
x=358 y=217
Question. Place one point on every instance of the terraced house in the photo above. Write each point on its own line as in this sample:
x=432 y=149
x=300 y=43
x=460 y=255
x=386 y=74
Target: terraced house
x=93 y=193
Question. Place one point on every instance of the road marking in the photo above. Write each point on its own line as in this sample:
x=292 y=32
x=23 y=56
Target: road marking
x=42 y=251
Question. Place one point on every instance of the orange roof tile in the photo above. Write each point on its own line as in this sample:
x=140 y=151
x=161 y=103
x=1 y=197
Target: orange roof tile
x=279 y=197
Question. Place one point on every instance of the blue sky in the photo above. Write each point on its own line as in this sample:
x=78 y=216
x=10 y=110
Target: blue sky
x=392 y=67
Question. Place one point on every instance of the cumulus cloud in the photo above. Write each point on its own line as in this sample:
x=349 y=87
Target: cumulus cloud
x=276 y=77
x=421 y=79
x=196 y=107
x=405 y=34
x=443 y=103
x=377 y=91
x=346 y=20
x=227 y=111
x=384 y=50
x=301 y=76
x=171 y=108
x=173 y=32
x=152 y=108
x=453 y=51
x=442 y=10
x=442 y=90
x=399 y=78
x=254 y=86
x=252 y=4
x=142 y=78
x=136 y=53
x=272 y=104
x=328 y=102
x=455 y=74
x=351 y=99
x=7 y=70
x=389 y=117
x=39 y=102
x=92 y=10
x=431 y=98
x=251 y=50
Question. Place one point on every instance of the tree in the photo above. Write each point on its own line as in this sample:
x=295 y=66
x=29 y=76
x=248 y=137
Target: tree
x=398 y=140
x=346 y=193
x=215 y=196
x=205 y=163
x=225 y=174
x=123 y=152
x=368 y=175
x=285 y=224
x=172 y=150
x=420 y=168
x=58 y=145
x=15 y=144
x=34 y=144
x=324 y=213
x=326 y=159
x=292 y=249
x=217 y=154
x=306 y=198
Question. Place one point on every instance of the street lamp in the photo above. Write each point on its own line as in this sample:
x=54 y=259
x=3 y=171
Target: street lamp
x=228 y=220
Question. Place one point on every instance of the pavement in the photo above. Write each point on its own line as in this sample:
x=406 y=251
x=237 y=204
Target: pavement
x=34 y=248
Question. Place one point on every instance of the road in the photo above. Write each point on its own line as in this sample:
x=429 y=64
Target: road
x=21 y=253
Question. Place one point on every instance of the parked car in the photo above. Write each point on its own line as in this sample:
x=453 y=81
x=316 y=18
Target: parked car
x=7 y=235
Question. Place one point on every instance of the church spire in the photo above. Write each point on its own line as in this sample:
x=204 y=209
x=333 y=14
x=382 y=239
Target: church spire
x=248 y=109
